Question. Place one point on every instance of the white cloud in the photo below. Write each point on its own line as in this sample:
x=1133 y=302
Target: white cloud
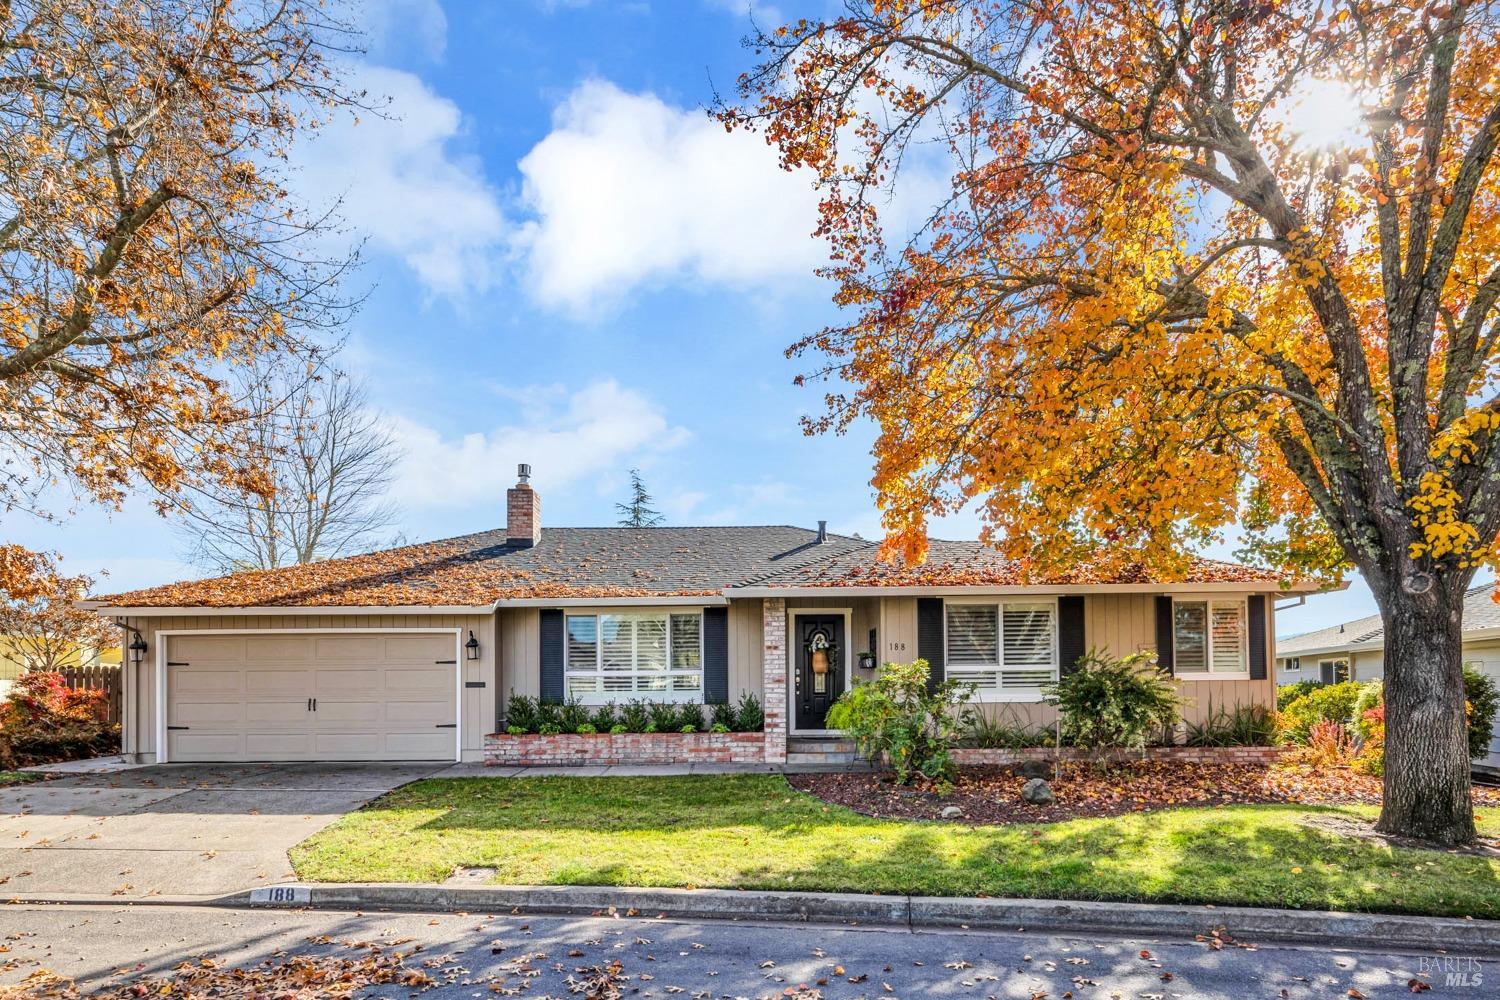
x=394 y=27
x=403 y=188
x=628 y=190
x=765 y=15
x=597 y=431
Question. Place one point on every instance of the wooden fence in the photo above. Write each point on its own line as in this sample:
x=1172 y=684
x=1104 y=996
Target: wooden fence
x=105 y=678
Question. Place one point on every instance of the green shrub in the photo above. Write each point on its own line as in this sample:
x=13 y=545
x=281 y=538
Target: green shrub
x=548 y=717
x=521 y=713
x=602 y=718
x=896 y=719
x=690 y=716
x=749 y=717
x=723 y=715
x=1371 y=696
x=1108 y=703
x=618 y=728
x=549 y=729
x=718 y=727
x=662 y=716
x=1325 y=703
x=1241 y=726
x=573 y=714
x=585 y=729
x=1484 y=701
x=1288 y=693
x=1001 y=731
x=634 y=716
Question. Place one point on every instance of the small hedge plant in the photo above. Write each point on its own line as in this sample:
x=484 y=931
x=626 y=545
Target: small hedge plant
x=1324 y=703
x=525 y=714
x=44 y=721
x=1107 y=703
x=896 y=718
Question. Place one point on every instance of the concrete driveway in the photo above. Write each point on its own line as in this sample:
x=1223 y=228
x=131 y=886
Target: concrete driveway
x=175 y=830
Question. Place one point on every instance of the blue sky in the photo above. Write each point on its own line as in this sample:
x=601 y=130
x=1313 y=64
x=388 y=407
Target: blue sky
x=572 y=266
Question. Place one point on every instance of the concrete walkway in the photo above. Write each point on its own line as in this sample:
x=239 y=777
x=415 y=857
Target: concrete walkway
x=178 y=830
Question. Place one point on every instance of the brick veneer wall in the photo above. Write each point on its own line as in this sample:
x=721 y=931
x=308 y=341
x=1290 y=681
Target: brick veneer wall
x=973 y=757
x=625 y=748
x=773 y=665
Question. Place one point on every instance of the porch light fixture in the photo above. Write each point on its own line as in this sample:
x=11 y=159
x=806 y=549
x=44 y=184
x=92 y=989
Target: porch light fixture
x=472 y=646
x=137 y=649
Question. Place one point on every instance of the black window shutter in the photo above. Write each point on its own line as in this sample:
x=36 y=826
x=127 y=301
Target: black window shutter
x=552 y=655
x=1258 y=637
x=716 y=655
x=930 y=637
x=1070 y=640
x=1164 y=633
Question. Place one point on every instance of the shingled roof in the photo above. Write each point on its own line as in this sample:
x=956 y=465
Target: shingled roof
x=1481 y=614
x=479 y=569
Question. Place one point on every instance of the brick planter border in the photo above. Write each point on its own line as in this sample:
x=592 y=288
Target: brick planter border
x=571 y=749
x=974 y=757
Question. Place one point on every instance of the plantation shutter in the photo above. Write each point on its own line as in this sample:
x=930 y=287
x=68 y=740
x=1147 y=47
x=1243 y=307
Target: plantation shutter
x=1070 y=640
x=930 y=638
x=551 y=629
x=716 y=655
x=1259 y=655
x=1164 y=633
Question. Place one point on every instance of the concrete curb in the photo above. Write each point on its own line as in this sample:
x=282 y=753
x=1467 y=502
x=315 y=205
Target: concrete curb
x=1250 y=924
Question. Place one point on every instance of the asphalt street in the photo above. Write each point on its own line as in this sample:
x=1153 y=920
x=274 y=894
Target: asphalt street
x=480 y=955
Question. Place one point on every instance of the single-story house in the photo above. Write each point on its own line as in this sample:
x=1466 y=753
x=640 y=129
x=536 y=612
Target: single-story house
x=413 y=652
x=1355 y=650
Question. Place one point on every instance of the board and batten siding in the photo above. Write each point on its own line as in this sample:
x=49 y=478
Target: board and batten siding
x=521 y=648
x=1117 y=624
x=139 y=736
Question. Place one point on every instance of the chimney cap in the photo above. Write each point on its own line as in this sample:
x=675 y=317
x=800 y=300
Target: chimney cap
x=523 y=472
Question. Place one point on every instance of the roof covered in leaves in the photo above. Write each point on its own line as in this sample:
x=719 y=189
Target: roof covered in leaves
x=480 y=569
x=1481 y=612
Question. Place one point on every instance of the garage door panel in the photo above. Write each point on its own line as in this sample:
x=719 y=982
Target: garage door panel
x=378 y=697
x=282 y=683
x=419 y=648
x=370 y=648
x=340 y=712
x=279 y=746
x=347 y=681
x=280 y=648
x=436 y=745
x=208 y=647
x=409 y=713
x=419 y=680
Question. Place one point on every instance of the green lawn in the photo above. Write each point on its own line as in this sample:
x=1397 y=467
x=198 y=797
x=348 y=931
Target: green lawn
x=17 y=778
x=754 y=831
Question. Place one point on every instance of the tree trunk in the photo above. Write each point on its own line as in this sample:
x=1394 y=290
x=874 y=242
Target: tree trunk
x=1427 y=780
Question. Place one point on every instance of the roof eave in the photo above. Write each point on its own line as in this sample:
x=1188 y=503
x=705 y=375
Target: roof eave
x=141 y=611
x=866 y=590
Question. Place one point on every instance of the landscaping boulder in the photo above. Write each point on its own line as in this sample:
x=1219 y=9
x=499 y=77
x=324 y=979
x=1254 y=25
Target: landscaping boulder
x=1038 y=792
x=951 y=812
x=1033 y=769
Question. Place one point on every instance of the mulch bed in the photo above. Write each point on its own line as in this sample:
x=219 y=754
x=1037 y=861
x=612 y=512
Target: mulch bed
x=993 y=795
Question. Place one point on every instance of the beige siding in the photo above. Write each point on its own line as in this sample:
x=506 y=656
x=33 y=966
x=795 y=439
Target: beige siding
x=746 y=647
x=140 y=694
x=898 y=629
x=1368 y=665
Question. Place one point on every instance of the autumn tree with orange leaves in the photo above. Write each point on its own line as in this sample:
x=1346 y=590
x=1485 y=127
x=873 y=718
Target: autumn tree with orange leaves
x=148 y=241
x=1145 y=308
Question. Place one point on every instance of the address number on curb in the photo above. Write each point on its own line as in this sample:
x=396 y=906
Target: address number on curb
x=281 y=894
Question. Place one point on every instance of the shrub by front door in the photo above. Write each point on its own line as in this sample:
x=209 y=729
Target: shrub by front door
x=820 y=668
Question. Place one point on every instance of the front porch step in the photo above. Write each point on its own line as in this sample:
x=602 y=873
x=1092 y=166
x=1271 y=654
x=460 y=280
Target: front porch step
x=819 y=744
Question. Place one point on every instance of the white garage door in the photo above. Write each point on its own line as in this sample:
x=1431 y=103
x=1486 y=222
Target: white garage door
x=311 y=696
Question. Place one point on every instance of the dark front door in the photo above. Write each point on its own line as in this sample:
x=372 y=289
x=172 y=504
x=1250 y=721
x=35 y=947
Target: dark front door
x=820 y=667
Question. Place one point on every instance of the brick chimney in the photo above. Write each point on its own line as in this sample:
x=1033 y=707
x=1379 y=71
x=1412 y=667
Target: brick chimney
x=523 y=511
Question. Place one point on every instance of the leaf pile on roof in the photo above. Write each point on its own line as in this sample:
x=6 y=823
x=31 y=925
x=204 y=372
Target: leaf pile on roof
x=450 y=572
x=949 y=565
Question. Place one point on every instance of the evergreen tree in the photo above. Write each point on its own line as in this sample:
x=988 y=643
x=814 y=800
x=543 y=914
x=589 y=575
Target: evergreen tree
x=637 y=512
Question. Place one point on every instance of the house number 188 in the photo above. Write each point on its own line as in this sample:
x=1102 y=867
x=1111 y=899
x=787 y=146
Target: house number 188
x=896 y=647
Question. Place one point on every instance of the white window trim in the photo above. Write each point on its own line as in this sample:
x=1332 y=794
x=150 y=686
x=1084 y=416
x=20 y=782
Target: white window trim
x=620 y=697
x=1208 y=648
x=1289 y=660
x=1025 y=695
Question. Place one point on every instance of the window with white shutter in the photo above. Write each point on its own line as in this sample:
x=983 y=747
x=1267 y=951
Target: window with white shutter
x=1006 y=649
x=617 y=657
x=1210 y=638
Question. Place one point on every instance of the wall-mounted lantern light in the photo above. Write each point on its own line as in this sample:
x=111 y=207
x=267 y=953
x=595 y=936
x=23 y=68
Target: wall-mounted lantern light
x=472 y=646
x=137 y=649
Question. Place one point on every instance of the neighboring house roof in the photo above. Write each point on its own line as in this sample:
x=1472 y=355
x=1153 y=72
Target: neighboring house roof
x=591 y=563
x=1481 y=618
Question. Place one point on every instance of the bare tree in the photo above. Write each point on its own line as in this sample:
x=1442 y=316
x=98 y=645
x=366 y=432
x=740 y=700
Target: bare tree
x=329 y=461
